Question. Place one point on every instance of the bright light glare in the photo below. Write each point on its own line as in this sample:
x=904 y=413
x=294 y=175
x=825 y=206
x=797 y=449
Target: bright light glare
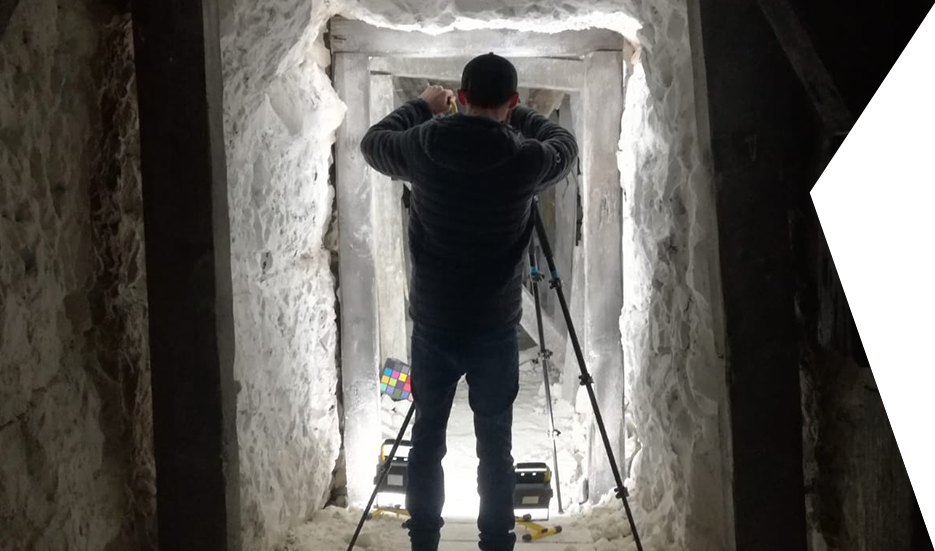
x=391 y=499
x=461 y=498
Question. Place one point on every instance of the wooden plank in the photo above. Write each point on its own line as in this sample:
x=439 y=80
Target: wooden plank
x=7 y=7
x=566 y=243
x=574 y=285
x=566 y=211
x=388 y=239
x=808 y=66
x=718 y=504
x=184 y=180
x=554 y=74
x=347 y=36
x=571 y=370
x=602 y=227
x=360 y=337
x=762 y=435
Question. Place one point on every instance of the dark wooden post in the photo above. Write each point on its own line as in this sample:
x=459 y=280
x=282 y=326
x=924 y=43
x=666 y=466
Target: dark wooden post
x=760 y=124
x=602 y=232
x=191 y=329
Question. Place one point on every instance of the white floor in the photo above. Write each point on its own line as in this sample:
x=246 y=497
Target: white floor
x=602 y=527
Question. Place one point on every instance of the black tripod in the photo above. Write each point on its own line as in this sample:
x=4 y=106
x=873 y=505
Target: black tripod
x=585 y=378
x=545 y=356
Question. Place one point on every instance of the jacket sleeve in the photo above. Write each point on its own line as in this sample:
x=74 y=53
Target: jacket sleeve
x=384 y=145
x=558 y=148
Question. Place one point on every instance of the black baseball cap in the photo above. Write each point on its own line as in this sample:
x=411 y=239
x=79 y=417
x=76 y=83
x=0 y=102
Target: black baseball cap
x=489 y=80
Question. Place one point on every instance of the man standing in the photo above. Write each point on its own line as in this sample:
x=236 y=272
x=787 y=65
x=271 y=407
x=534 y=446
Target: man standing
x=473 y=177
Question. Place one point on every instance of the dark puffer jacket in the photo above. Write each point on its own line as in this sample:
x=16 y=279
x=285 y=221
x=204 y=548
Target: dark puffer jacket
x=473 y=180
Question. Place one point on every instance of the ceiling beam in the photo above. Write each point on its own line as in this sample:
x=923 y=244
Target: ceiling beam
x=347 y=36
x=808 y=66
x=549 y=73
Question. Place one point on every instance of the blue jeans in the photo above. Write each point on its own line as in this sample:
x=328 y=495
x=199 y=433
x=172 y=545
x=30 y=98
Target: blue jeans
x=490 y=363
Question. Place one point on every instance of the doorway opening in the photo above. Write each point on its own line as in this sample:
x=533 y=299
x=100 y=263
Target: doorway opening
x=575 y=78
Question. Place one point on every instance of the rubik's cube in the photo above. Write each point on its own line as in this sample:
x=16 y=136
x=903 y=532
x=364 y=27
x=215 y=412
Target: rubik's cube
x=394 y=380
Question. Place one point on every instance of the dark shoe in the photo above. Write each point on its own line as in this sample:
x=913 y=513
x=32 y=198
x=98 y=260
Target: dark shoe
x=500 y=543
x=423 y=540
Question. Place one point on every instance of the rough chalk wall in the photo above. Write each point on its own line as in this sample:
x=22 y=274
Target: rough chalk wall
x=671 y=324
x=119 y=301
x=75 y=428
x=280 y=114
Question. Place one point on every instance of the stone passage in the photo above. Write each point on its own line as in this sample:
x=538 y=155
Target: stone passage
x=585 y=527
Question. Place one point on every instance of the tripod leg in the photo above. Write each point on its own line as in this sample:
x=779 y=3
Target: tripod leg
x=544 y=355
x=553 y=432
x=383 y=472
x=585 y=376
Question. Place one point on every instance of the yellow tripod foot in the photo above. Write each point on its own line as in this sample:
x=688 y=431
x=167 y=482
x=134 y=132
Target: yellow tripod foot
x=381 y=511
x=536 y=531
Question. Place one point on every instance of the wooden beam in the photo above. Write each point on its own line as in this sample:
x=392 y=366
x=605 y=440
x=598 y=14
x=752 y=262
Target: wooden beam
x=566 y=209
x=554 y=74
x=388 y=239
x=566 y=249
x=808 y=66
x=7 y=7
x=191 y=329
x=602 y=240
x=360 y=330
x=717 y=501
x=347 y=36
x=575 y=287
x=575 y=291
x=748 y=99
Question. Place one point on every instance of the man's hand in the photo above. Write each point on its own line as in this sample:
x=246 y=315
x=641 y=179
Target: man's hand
x=437 y=98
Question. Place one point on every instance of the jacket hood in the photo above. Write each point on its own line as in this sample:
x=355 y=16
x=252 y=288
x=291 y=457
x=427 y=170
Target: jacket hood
x=469 y=144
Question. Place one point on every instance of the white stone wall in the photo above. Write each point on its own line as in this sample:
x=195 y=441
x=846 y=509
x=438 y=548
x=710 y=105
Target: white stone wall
x=75 y=423
x=675 y=369
x=279 y=128
x=280 y=115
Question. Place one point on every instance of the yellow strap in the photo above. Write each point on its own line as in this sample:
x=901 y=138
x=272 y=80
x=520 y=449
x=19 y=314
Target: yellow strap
x=529 y=524
x=380 y=511
x=537 y=531
x=543 y=533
